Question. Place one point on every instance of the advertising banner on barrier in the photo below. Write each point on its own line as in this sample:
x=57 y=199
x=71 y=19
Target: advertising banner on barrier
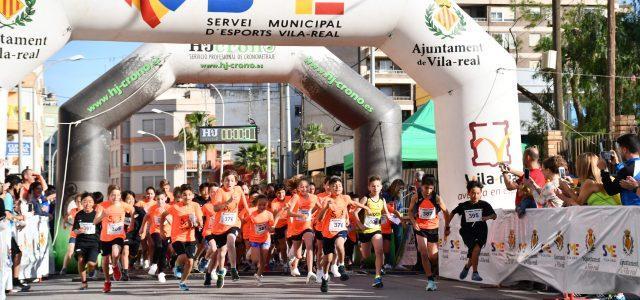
x=587 y=250
x=33 y=240
x=5 y=259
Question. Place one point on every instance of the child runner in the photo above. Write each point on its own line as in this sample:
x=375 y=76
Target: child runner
x=334 y=216
x=301 y=208
x=261 y=223
x=68 y=222
x=158 y=234
x=227 y=224
x=371 y=230
x=186 y=217
x=132 y=225
x=147 y=202
x=424 y=217
x=278 y=209
x=110 y=214
x=387 y=234
x=474 y=214
x=317 y=226
x=87 y=241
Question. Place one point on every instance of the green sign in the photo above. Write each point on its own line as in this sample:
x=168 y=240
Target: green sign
x=245 y=134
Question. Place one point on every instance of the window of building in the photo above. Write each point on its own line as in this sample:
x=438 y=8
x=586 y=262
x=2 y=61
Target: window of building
x=125 y=157
x=155 y=126
x=152 y=156
x=496 y=16
x=502 y=14
x=126 y=129
x=126 y=182
x=406 y=114
x=150 y=181
x=534 y=39
x=505 y=39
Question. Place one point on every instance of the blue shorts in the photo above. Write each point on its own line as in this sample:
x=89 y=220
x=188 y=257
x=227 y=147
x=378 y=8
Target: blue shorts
x=265 y=245
x=72 y=240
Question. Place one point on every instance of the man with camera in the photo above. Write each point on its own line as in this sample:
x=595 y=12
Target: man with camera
x=628 y=172
x=514 y=179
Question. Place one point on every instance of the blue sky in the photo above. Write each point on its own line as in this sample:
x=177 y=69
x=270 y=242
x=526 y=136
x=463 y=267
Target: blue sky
x=67 y=78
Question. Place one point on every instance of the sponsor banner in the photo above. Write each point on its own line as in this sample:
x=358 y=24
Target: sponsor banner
x=5 y=258
x=586 y=250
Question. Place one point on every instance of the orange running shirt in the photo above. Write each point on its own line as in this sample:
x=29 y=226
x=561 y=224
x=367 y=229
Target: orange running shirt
x=385 y=224
x=210 y=219
x=146 y=205
x=336 y=218
x=113 y=220
x=303 y=206
x=427 y=217
x=317 y=223
x=353 y=233
x=183 y=216
x=155 y=213
x=279 y=205
x=227 y=217
x=72 y=214
x=259 y=224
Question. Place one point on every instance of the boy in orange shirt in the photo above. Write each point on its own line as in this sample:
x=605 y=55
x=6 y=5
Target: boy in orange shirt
x=111 y=215
x=186 y=217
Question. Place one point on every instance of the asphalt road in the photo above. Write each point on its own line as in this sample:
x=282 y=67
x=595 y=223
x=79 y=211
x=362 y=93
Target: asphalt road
x=275 y=287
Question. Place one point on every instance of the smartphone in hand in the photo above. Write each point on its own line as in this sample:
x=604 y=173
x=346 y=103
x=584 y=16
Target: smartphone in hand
x=563 y=172
x=526 y=174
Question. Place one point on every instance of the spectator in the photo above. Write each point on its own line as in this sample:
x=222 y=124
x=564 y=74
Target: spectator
x=417 y=179
x=29 y=177
x=629 y=148
x=524 y=196
x=591 y=190
x=545 y=195
x=37 y=200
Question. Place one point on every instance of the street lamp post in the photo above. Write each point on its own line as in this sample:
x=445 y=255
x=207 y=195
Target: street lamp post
x=222 y=146
x=164 y=149
x=184 y=139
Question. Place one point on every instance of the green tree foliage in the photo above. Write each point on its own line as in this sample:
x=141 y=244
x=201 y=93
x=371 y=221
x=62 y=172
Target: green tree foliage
x=254 y=159
x=193 y=121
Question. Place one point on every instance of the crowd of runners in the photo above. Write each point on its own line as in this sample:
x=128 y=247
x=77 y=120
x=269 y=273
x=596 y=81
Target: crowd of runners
x=218 y=228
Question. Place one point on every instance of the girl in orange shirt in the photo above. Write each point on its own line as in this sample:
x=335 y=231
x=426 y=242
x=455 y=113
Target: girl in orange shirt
x=157 y=230
x=279 y=209
x=423 y=214
x=111 y=215
x=260 y=222
x=301 y=208
x=335 y=218
x=227 y=224
x=186 y=217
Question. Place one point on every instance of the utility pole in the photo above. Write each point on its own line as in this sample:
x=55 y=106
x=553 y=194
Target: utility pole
x=268 y=132
x=283 y=134
x=611 y=63
x=557 y=77
x=20 y=122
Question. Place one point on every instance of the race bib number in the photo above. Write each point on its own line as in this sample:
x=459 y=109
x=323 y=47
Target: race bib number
x=337 y=225
x=228 y=218
x=115 y=228
x=89 y=228
x=473 y=215
x=260 y=228
x=157 y=220
x=306 y=215
x=127 y=221
x=427 y=213
x=371 y=221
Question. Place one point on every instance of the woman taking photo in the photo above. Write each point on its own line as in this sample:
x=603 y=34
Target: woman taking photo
x=591 y=190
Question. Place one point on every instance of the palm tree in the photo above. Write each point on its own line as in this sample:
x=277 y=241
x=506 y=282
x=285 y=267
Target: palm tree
x=313 y=138
x=193 y=121
x=254 y=159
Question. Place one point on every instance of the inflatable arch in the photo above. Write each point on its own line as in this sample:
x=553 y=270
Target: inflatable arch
x=470 y=76
x=153 y=68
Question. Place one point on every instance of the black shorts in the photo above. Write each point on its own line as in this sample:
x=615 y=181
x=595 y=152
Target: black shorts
x=329 y=244
x=15 y=249
x=186 y=248
x=199 y=235
x=471 y=239
x=386 y=236
x=279 y=233
x=90 y=254
x=430 y=234
x=366 y=237
x=298 y=237
x=221 y=239
x=105 y=247
x=319 y=236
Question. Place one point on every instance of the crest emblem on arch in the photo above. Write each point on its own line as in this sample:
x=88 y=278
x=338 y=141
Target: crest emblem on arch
x=154 y=10
x=444 y=19
x=15 y=13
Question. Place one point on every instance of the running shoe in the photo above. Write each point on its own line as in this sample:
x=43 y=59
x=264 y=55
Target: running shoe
x=177 y=272
x=202 y=266
x=117 y=275
x=383 y=272
x=464 y=273
x=343 y=273
x=319 y=276
x=476 y=277
x=311 y=277
x=234 y=274
x=620 y=296
x=431 y=286
x=183 y=286
x=162 y=278
x=84 y=287
x=334 y=271
x=125 y=275
x=107 y=287
x=207 y=279
x=93 y=274
x=295 y=272
x=377 y=282
x=63 y=271
x=258 y=279
x=387 y=267
x=324 y=286
x=146 y=264
x=220 y=281
x=153 y=269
